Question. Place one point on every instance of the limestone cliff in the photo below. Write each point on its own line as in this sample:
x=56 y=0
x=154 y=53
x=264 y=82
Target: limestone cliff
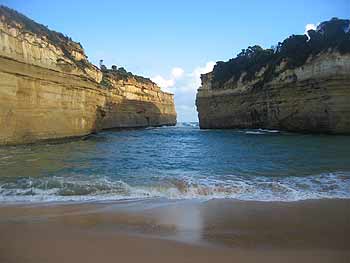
x=49 y=90
x=302 y=85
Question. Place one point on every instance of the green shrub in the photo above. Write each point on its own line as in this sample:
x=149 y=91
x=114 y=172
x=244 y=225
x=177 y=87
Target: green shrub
x=295 y=50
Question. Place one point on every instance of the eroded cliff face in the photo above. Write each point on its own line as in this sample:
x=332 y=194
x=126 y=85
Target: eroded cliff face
x=49 y=90
x=312 y=98
x=302 y=84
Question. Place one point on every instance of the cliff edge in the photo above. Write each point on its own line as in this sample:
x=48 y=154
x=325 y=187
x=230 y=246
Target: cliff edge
x=300 y=85
x=49 y=89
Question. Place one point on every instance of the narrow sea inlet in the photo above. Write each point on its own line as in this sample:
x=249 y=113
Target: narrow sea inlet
x=97 y=163
x=181 y=162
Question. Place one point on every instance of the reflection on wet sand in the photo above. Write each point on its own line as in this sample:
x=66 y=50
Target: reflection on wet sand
x=176 y=231
x=304 y=224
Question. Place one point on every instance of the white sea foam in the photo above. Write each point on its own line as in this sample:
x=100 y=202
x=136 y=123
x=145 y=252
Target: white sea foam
x=261 y=131
x=269 y=131
x=330 y=185
x=187 y=124
x=254 y=132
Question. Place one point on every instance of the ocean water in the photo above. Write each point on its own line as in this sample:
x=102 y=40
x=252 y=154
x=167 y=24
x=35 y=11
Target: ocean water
x=181 y=162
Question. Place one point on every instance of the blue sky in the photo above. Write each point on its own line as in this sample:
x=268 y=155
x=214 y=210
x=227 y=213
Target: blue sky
x=172 y=42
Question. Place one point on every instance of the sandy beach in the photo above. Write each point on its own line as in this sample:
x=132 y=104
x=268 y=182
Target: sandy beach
x=174 y=131
x=176 y=231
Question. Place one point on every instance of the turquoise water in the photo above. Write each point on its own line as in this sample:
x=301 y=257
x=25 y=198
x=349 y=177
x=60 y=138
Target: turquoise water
x=178 y=163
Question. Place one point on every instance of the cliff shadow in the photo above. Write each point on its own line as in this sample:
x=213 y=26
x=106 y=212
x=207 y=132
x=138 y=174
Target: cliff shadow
x=129 y=114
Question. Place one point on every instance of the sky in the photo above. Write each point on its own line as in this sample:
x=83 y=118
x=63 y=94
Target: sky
x=173 y=42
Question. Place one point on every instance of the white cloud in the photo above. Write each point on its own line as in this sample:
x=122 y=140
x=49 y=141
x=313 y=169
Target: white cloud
x=177 y=73
x=163 y=82
x=202 y=70
x=167 y=83
x=310 y=27
x=184 y=86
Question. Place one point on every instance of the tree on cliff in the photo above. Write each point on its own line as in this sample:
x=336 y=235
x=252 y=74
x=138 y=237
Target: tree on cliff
x=295 y=50
x=103 y=68
x=122 y=70
x=249 y=60
x=334 y=33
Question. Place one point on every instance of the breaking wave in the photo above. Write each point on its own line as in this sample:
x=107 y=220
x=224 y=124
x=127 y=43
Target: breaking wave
x=261 y=131
x=188 y=124
x=259 y=188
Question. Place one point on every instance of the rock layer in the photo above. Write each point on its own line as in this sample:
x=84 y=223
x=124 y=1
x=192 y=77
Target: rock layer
x=49 y=90
x=314 y=97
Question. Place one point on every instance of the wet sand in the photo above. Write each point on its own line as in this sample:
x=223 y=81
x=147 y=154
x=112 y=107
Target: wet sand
x=176 y=231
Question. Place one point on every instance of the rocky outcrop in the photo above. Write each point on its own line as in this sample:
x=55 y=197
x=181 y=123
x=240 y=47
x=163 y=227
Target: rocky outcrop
x=312 y=96
x=49 y=90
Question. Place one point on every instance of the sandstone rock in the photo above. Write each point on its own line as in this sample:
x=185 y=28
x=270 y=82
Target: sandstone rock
x=49 y=90
x=313 y=97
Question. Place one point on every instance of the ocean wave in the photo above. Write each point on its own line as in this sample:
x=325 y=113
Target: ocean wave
x=330 y=185
x=261 y=131
x=269 y=131
x=188 y=124
x=254 y=132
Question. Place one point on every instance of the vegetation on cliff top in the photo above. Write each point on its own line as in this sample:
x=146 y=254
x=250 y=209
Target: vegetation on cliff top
x=67 y=45
x=119 y=74
x=294 y=51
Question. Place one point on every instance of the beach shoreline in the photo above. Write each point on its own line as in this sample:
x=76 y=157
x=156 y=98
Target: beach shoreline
x=158 y=230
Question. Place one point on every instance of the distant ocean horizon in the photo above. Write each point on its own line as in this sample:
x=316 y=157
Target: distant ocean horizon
x=180 y=162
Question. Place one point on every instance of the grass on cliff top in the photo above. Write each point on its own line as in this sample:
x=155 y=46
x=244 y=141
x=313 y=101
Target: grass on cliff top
x=65 y=43
x=120 y=74
x=12 y=17
x=333 y=35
